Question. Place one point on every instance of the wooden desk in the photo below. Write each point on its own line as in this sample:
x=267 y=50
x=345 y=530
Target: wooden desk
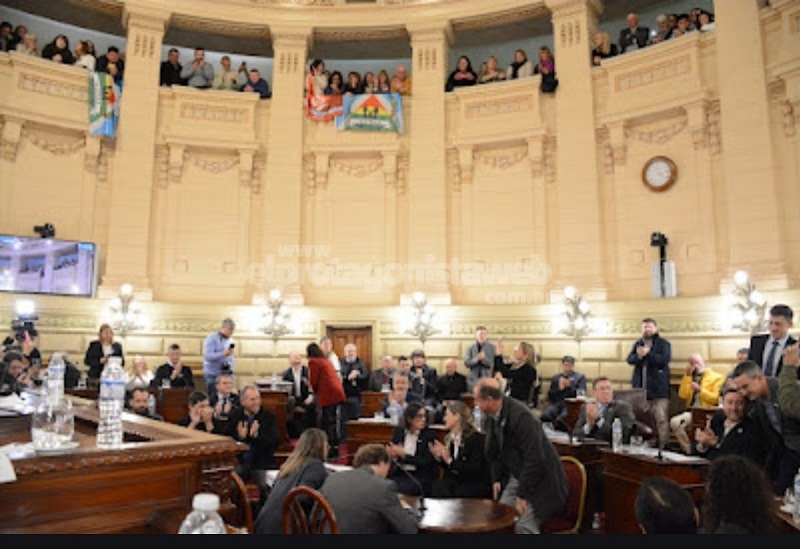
x=278 y=402
x=92 y=490
x=623 y=474
x=465 y=516
x=590 y=455
x=172 y=404
x=371 y=402
x=365 y=430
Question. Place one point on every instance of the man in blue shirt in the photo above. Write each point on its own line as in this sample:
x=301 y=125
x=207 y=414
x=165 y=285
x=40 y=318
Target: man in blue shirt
x=257 y=84
x=218 y=355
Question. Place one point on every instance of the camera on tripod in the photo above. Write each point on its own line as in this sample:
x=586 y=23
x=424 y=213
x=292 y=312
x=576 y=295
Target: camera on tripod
x=23 y=326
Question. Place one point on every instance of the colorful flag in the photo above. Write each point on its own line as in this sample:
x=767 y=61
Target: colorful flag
x=321 y=107
x=104 y=97
x=372 y=112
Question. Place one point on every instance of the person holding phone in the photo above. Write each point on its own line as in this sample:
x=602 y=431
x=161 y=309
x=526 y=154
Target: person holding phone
x=218 y=355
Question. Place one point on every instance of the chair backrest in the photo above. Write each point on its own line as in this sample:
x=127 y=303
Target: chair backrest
x=570 y=518
x=645 y=419
x=306 y=511
x=244 y=507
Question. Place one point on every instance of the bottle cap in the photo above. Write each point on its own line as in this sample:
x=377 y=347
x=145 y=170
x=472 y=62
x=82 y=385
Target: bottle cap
x=206 y=501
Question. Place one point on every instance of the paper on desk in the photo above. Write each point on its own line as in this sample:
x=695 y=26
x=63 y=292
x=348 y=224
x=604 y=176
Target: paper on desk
x=7 y=473
x=12 y=402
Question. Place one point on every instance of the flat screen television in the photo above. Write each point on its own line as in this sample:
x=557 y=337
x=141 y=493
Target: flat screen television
x=34 y=265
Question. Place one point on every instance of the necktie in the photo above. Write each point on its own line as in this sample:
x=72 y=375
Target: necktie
x=769 y=367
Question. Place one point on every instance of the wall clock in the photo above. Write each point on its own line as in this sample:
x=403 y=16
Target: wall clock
x=659 y=173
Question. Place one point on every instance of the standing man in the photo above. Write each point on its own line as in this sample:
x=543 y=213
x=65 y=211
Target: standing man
x=170 y=74
x=218 y=356
x=700 y=386
x=633 y=37
x=480 y=357
x=564 y=385
x=526 y=470
x=423 y=380
x=766 y=350
x=326 y=345
x=354 y=379
x=650 y=357
x=199 y=74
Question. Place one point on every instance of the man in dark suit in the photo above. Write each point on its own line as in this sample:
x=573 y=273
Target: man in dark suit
x=650 y=356
x=305 y=407
x=598 y=414
x=480 y=357
x=564 y=385
x=173 y=371
x=766 y=350
x=526 y=470
x=364 y=500
x=633 y=36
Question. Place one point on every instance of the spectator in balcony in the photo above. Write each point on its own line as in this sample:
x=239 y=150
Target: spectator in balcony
x=547 y=68
x=706 y=21
x=633 y=36
x=694 y=16
x=335 y=84
x=229 y=79
x=6 y=36
x=662 y=31
x=82 y=57
x=520 y=67
x=90 y=49
x=463 y=75
x=382 y=84
x=257 y=84
x=29 y=46
x=368 y=83
x=199 y=74
x=683 y=26
x=112 y=63
x=493 y=73
x=170 y=73
x=603 y=48
x=18 y=36
x=353 y=85
x=58 y=51
x=401 y=81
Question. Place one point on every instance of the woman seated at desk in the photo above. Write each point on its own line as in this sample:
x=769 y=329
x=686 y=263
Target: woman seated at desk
x=396 y=400
x=410 y=450
x=462 y=456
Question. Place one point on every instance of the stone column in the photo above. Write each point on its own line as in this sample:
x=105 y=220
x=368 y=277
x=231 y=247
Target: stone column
x=427 y=182
x=578 y=259
x=133 y=175
x=748 y=161
x=283 y=188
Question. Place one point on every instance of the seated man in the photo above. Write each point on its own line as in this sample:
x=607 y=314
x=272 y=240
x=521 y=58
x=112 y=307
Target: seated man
x=173 y=371
x=700 y=386
x=201 y=414
x=255 y=83
x=564 y=385
x=225 y=399
x=598 y=414
x=381 y=379
x=305 y=405
x=139 y=403
x=396 y=400
x=450 y=386
x=364 y=500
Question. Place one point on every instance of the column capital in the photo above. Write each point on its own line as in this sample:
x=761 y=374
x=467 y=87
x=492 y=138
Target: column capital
x=143 y=13
x=291 y=37
x=430 y=32
x=561 y=8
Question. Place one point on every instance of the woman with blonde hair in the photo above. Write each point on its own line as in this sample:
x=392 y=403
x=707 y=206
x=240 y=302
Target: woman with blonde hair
x=138 y=374
x=100 y=349
x=603 y=48
x=305 y=466
x=28 y=45
x=519 y=375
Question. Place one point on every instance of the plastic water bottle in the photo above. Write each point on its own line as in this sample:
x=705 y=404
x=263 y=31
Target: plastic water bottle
x=204 y=518
x=55 y=378
x=796 y=506
x=111 y=402
x=477 y=417
x=616 y=435
x=151 y=404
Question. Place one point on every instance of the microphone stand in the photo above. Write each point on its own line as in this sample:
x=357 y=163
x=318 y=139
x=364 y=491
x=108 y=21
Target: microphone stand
x=421 y=507
x=659 y=457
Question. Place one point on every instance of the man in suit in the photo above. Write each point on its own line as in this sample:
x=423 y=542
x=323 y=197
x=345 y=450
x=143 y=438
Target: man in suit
x=766 y=350
x=650 y=356
x=178 y=374
x=526 y=470
x=564 y=385
x=381 y=380
x=423 y=379
x=305 y=408
x=364 y=500
x=597 y=414
x=480 y=357
x=633 y=37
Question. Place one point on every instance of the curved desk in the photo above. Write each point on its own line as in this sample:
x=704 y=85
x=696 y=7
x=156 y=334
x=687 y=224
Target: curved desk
x=465 y=516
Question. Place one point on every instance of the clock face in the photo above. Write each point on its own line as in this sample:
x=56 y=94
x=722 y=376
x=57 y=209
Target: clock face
x=659 y=173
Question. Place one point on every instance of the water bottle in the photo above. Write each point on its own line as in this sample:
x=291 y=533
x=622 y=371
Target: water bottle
x=477 y=417
x=151 y=404
x=204 y=518
x=55 y=378
x=796 y=506
x=616 y=435
x=111 y=402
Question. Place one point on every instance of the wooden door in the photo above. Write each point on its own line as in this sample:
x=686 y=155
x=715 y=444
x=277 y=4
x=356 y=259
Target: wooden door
x=361 y=336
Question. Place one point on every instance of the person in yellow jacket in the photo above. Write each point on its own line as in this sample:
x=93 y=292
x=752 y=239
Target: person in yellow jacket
x=700 y=386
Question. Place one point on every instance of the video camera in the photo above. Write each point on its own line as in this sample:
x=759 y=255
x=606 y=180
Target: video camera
x=22 y=326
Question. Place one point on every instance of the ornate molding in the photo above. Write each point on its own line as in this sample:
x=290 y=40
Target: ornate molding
x=501 y=159
x=666 y=71
x=357 y=167
x=55 y=147
x=488 y=108
x=12 y=136
x=213 y=113
x=37 y=83
x=659 y=134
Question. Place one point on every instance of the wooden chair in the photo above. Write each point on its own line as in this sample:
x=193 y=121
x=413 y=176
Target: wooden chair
x=644 y=418
x=569 y=519
x=240 y=496
x=306 y=511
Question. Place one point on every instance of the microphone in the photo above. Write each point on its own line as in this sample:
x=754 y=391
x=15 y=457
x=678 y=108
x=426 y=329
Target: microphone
x=416 y=481
x=659 y=457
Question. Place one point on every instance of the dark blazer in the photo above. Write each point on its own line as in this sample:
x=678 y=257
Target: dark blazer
x=756 y=352
x=261 y=451
x=601 y=430
x=451 y=387
x=428 y=392
x=655 y=363
x=746 y=439
x=467 y=476
x=288 y=375
x=365 y=503
x=95 y=352
x=422 y=465
x=627 y=37
x=184 y=379
x=522 y=381
x=269 y=520
x=517 y=445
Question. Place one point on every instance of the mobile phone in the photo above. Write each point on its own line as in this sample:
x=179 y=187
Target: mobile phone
x=232 y=345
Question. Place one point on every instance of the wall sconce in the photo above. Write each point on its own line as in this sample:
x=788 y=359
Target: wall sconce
x=125 y=311
x=276 y=317
x=574 y=321
x=421 y=321
x=747 y=307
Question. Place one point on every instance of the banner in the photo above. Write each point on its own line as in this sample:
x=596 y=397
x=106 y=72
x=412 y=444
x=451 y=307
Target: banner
x=381 y=112
x=104 y=97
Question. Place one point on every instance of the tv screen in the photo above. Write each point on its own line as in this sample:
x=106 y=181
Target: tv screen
x=37 y=265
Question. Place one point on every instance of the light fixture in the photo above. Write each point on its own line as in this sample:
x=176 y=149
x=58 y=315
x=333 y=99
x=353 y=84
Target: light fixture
x=421 y=319
x=125 y=311
x=574 y=321
x=275 y=319
x=747 y=307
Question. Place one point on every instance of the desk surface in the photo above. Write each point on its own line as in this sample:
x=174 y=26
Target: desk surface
x=465 y=516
